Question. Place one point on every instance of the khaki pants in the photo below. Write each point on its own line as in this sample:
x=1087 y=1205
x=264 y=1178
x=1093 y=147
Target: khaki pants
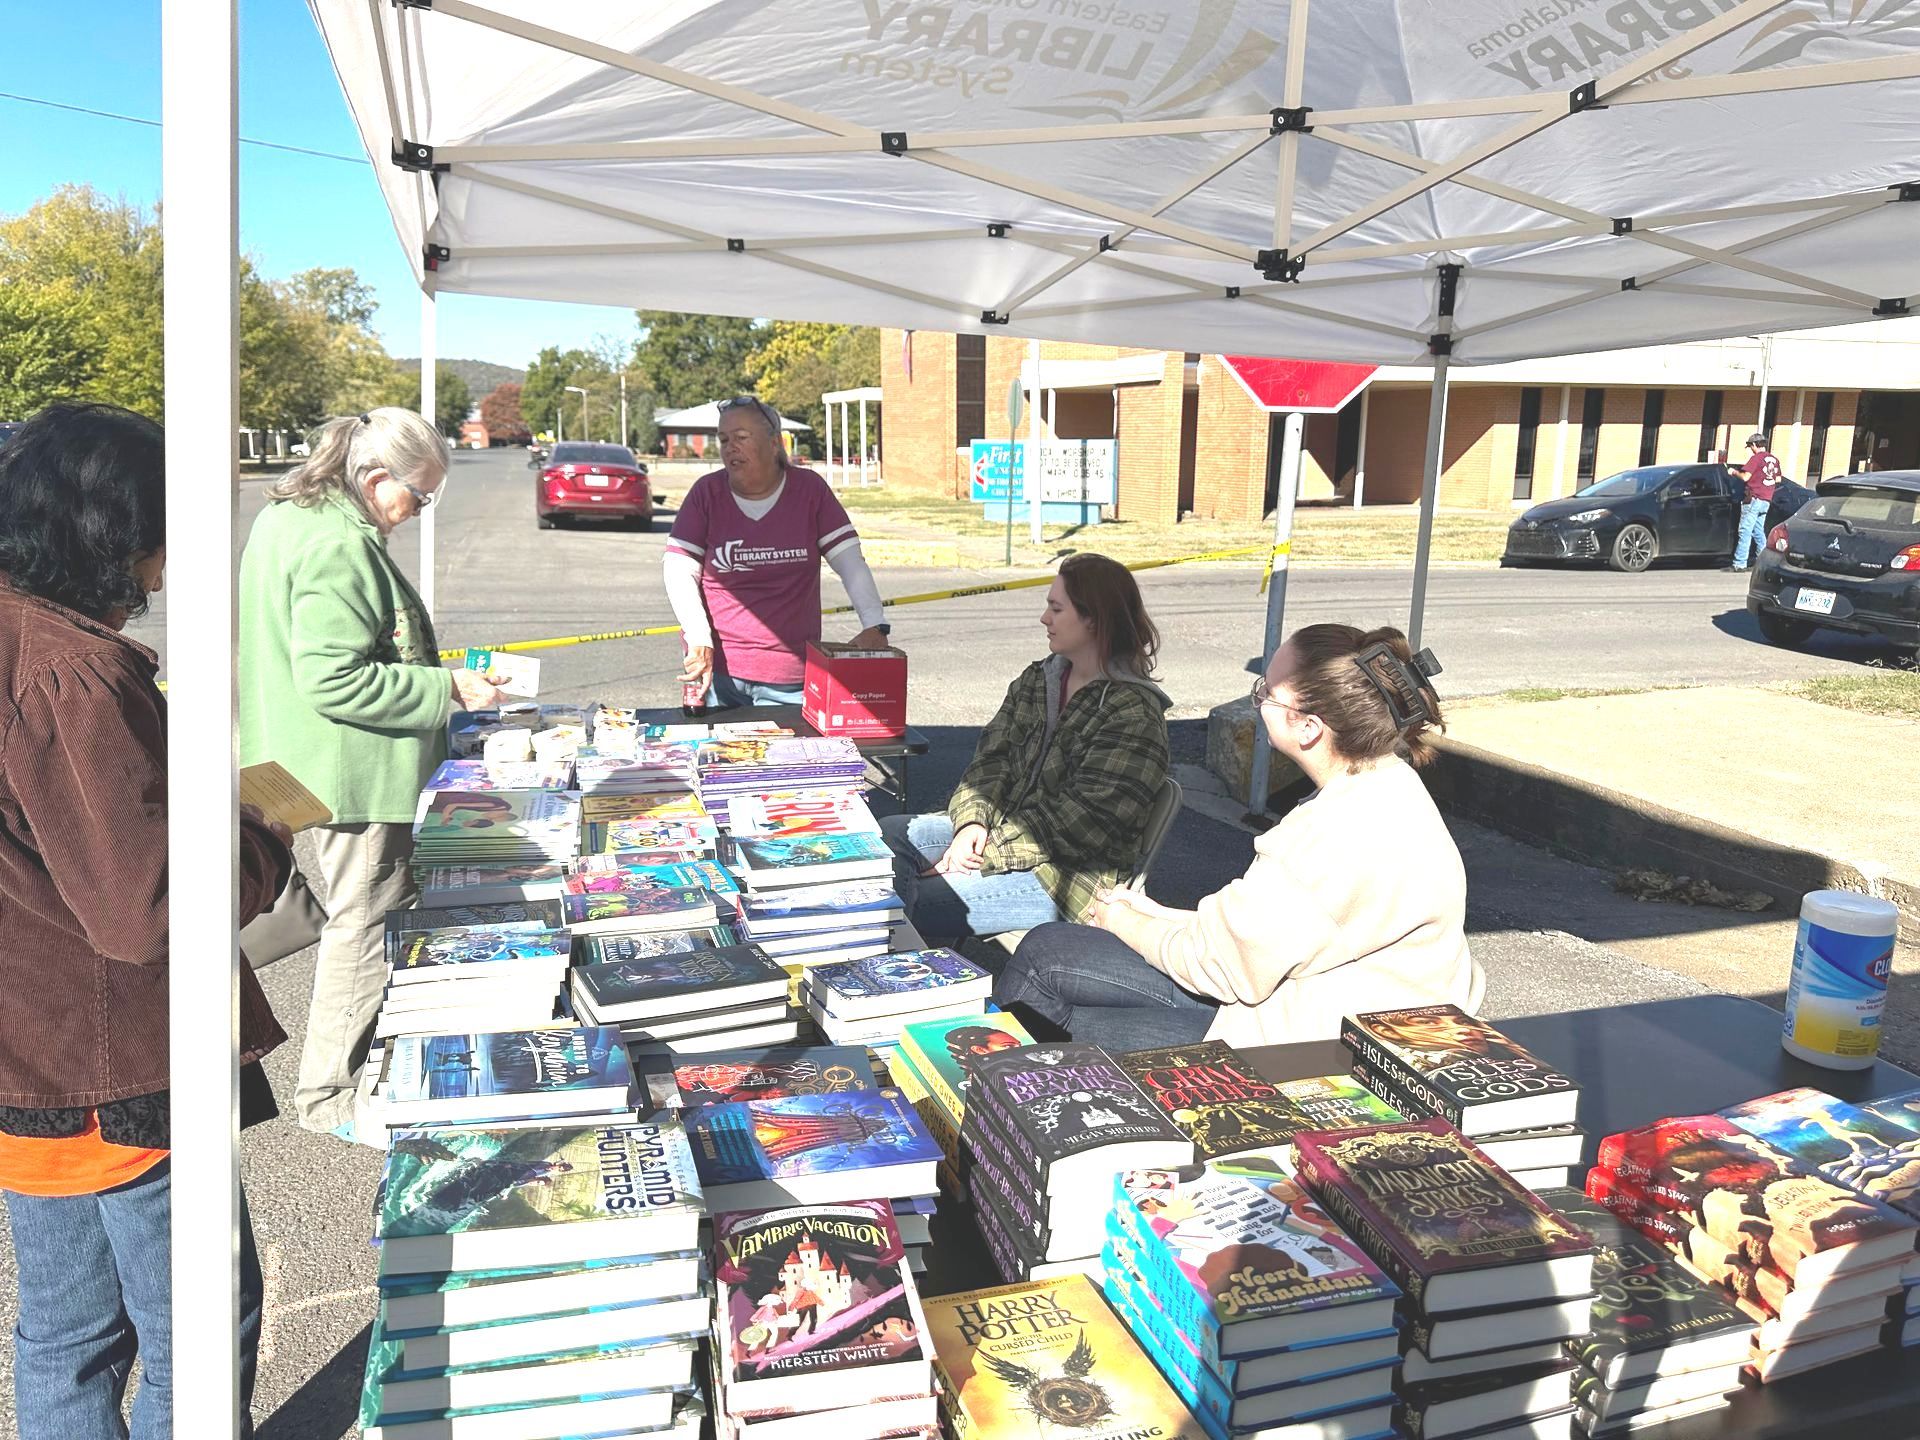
x=364 y=869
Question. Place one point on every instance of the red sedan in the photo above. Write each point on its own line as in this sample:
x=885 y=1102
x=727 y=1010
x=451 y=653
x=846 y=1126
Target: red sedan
x=592 y=479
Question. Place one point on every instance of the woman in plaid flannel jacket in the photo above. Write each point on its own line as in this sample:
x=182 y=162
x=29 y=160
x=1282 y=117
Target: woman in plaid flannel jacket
x=1054 y=806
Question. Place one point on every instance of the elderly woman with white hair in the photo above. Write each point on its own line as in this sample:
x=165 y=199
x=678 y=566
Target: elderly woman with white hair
x=341 y=681
x=742 y=565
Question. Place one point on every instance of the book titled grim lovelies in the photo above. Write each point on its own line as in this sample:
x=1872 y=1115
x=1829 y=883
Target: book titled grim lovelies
x=1211 y=1091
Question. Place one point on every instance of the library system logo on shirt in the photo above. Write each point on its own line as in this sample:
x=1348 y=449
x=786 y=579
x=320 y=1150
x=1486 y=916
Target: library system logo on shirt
x=732 y=556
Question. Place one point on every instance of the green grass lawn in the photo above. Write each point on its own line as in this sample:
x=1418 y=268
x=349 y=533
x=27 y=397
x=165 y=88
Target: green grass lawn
x=1384 y=536
x=1879 y=692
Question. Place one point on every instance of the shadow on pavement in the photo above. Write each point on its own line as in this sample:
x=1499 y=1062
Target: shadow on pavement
x=1834 y=644
x=328 y=1405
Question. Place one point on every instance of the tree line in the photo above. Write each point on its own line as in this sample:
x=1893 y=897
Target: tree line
x=80 y=318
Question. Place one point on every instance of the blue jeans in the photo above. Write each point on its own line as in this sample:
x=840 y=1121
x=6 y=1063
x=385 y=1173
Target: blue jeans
x=1753 y=526
x=727 y=692
x=1093 y=986
x=95 y=1290
x=949 y=908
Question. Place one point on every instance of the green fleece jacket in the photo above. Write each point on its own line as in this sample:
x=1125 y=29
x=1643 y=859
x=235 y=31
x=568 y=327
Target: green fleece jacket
x=340 y=676
x=1072 y=809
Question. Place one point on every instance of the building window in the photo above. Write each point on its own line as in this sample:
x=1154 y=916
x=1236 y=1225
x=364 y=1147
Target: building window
x=1709 y=425
x=1822 y=418
x=1524 y=446
x=1590 y=408
x=969 y=389
x=1651 y=414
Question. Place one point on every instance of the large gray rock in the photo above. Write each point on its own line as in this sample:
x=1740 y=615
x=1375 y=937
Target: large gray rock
x=1231 y=731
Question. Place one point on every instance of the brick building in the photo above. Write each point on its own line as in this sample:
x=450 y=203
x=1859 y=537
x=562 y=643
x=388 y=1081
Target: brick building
x=1195 y=437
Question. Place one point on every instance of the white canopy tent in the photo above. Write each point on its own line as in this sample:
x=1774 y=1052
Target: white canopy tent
x=1373 y=180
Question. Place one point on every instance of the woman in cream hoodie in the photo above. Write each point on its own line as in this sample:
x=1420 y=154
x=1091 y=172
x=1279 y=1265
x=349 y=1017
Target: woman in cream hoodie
x=1355 y=901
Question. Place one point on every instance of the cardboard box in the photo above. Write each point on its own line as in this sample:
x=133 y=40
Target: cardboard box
x=858 y=693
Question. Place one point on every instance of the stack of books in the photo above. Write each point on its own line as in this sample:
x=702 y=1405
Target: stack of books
x=469 y=732
x=499 y=914
x=1817 y=1264
x=1663 y=1344
x=537 y=1283
x=1858 y=1149
x=817 y=1149
x=632 y=898
x=1213 y=1093
x=930 y=1066
x=1052 y=1355
x=720 y=998
x=1258 y=1309
x=638 y=767
x=808 y=861
x=1046 y=1129
x=1437 y=1060
x=457 y=885
x=867 y=1002
x=512 y=1079
x=818 y=1328
x=795 y=814
x=472 y=977
x=819 y=924
x=613 y=822
x=1903 y=1324
x=1493 y=1281
x=735 y=766
x=494 y=827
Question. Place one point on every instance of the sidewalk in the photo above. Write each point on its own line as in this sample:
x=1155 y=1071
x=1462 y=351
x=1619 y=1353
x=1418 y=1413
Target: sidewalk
x=1748 y=787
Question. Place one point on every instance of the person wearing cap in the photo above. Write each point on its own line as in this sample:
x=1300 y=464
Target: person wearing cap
x=1762 y=474
x=742 y=566
x=1355 y=901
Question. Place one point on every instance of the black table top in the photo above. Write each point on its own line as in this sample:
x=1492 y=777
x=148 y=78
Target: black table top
x=1635 y=1064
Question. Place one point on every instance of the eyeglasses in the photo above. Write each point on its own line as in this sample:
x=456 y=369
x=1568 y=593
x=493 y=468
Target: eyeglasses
x=1263 y=695
x=422 y=499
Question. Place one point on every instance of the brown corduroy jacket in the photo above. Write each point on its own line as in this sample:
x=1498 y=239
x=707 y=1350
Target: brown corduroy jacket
x=84 y=953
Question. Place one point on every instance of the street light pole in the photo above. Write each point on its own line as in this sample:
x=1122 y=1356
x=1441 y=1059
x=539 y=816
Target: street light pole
x=624 y=431
x=585 y=432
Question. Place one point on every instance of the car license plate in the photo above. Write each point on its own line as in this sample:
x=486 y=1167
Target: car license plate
x=597 y=482
x=1819 y=602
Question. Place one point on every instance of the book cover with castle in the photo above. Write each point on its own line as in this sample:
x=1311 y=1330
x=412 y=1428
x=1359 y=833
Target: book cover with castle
x=795 y=1135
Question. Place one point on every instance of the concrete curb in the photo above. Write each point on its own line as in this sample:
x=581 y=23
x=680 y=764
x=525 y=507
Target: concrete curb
x=1611 y=829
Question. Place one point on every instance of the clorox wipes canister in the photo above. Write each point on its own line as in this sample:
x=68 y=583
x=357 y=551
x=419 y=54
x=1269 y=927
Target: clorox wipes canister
x=1841 y=959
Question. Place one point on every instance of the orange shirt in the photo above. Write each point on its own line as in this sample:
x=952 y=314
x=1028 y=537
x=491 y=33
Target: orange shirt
x=82 y=1164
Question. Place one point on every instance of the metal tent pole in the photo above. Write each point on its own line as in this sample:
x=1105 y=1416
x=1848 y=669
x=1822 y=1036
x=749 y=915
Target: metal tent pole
x=827 y=408
x=1429 y=496
x=429 y=408
x=1276 y=597
x=863 y=441
x=200 y=90
x=1034 y=443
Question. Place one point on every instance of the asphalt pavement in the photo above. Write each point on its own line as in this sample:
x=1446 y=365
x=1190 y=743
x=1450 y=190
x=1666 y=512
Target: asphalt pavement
x=501 y=579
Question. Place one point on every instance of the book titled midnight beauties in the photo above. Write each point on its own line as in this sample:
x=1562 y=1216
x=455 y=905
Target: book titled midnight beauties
x=1059 y=1102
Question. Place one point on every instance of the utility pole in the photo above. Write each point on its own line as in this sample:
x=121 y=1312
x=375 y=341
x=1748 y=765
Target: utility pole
x=585 y=432
x=624 y=431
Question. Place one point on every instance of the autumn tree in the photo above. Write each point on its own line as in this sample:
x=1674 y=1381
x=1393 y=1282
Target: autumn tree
x=500 y=413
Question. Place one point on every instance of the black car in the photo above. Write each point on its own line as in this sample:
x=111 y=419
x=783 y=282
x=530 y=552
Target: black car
x=1849 y=560
x=1629 y=519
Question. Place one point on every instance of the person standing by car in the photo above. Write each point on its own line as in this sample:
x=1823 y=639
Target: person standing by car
x=1762 y=474
x=85 y=1130
x=340 y=680
x=742 y=567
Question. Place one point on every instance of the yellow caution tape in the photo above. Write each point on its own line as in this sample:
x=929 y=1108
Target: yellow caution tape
x=959 y=593
x=1281 y=547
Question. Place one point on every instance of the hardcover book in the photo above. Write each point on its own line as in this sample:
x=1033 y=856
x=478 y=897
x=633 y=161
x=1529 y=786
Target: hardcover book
x=502 y=914
x=809 y=1147
x=1449 y=1226
x=611 y=907
x=454 y=820
x=488 y=884
x=1745 y=1193
x=730 y=1076
x=522 y=1188
x=1047 y=1356
x=1650 y=1317
x=854 y=901
x=680 y=983
x=1847 y=1144
x=1467 y=1404
x=1075 y=1113
x=1337 y=1102
x=433 y=954
x=1902 y=1109
x=808 y=858
x=942 y=1050
x=1462 y=1069
x=816 y=1307
x=1242 y=1259
x=518 y=1072
x=1214 y=1094
x=901 y=981
x=613 y=949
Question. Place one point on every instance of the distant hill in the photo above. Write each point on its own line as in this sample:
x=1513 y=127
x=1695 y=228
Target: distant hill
x=481 y=375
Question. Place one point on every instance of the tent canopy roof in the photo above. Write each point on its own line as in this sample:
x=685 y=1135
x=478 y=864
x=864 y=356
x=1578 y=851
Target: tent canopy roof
x=1228 y=176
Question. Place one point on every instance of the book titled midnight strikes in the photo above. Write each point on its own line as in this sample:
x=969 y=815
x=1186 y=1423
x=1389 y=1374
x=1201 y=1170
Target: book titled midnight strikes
x=1453 y=1229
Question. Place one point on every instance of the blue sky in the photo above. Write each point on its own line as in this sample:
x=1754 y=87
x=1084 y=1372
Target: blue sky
x=296 y=211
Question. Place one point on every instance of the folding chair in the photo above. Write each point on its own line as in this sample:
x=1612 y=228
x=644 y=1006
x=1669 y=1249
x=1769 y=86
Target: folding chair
x=1166 y=806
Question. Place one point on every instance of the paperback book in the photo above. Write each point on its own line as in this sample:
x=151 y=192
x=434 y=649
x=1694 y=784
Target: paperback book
x=611 y=909
x=941 y=1051
x=1451 y=1228
x=817 y=907
x=432 y=954
x=731 y=1076
x=442 y=885
x=475 y=774
x=811 y=1149
x=813 y=859
x=432 y=1078
x=504 y=914
x=897 y=983
x=789 y=814
x=1461 y=1069
x=1847 y=1144
x=681 y=983
x=613 y=949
